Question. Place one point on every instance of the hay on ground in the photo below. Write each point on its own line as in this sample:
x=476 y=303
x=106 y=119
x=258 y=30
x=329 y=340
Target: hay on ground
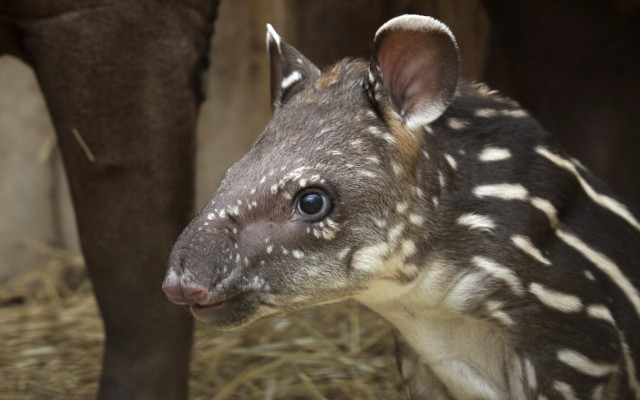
x=51 y=345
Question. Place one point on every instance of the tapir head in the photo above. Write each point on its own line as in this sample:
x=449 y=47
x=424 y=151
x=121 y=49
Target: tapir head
x=327 y=203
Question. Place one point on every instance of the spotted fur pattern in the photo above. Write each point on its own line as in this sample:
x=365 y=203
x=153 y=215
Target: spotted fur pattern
x=507 y=269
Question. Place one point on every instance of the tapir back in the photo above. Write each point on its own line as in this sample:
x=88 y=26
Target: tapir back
x=515 y=205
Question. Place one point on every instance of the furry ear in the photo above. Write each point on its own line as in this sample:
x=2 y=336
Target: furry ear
x=291 y=72
x=416 y=60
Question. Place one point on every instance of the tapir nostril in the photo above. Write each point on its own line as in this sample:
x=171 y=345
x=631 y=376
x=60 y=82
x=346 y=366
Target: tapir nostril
x=174 y=293
x=194 y=293
x=179 y=294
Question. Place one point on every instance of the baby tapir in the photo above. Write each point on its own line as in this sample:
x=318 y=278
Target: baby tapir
x=506 y=269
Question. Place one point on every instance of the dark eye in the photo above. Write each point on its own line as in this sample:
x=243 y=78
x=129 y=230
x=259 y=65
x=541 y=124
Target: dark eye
x=313 y=203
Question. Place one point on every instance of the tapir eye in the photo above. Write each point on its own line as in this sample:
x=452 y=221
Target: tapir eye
x=313 y=203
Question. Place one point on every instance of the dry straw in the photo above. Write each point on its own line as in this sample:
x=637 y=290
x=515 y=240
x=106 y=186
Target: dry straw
x=51 y=343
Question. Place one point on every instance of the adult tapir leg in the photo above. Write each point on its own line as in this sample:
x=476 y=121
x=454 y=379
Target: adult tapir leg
x=121 y=83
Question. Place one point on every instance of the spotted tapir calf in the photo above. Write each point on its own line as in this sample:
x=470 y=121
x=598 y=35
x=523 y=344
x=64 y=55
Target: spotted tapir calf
x=506 y=269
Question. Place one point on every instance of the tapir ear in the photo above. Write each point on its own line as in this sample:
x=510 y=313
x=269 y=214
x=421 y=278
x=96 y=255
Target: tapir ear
x=416 y=60
x=291 y=72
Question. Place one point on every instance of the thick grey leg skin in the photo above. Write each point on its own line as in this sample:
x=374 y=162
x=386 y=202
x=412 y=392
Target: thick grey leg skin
x=121 y=84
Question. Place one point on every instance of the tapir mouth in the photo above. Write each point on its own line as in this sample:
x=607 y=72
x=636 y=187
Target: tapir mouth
x=234 y=311
x=197 y=307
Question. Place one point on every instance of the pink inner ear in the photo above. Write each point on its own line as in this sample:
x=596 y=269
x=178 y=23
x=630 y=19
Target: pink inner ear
x=419 y=70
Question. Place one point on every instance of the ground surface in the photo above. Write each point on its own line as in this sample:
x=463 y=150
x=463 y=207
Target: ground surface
x=51 y=342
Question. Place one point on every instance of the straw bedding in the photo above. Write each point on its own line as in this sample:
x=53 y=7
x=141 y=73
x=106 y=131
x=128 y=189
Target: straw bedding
x=51 y=345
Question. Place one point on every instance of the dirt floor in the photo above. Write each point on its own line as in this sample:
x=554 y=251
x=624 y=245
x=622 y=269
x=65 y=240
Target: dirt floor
x=51 y=343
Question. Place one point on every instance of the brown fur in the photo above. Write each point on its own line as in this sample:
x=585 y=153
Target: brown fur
x=329 y=77
x=408 y=142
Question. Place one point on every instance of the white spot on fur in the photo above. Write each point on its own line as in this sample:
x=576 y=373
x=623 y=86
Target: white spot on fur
x=408 y=248
x=366 y=173
x=343 y=253
x=452 y=161
x=328 y=234
x=499 y=272
x=600 y=311
x=457 y=123
x=477 y=221
x=297 y=254
x=397 y=170
x=441 y=180
x=565 y=390
x=373 y=159
x=395 y=232
x=374 y=130
x=629 y=366
x=546 y=207
x=401 y=207
x=486 y=112
x=525 y=244
x=464 y=292
x=515 y=113
x=269 y=249
x=494 y=309
x=585 y=365
x=416 y=219
x=491 y=113
x=530 y=373
x=604 y=201
x=605 y=264
x=290 y=79
x=491 y=154
x=589 y=275
x=380 y=223
x=371 y=258
x=211 y=216
x=559 y=301
x=503 y=191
